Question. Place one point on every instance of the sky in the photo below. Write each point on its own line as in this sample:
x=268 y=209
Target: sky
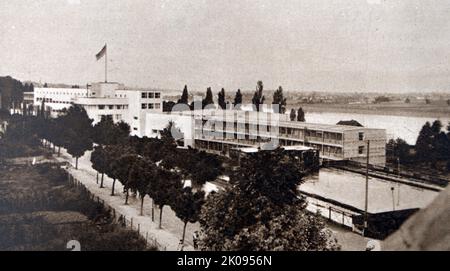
x=302 y=45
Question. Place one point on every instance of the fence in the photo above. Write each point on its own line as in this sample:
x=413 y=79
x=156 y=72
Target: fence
x=387 y=172
x=331 y=212
x=118 y=218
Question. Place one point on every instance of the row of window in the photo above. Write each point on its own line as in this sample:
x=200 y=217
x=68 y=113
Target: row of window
x=111 y=106
x=150 y=95
x=151 y=106
x=63 y=93
x=117 y=117
x=50 y=100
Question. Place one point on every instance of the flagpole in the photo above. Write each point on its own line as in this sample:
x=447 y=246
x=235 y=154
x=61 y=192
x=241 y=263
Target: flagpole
x=106 y=64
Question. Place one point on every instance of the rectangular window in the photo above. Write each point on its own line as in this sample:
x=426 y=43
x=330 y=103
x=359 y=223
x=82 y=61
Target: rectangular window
x=361 y=149
x=119 y=107
x=361 y=136
x=101 y=107
x=135 y=128
x=150 y=106
x=151 y=95
x=157 y=106
x=157 y=95
x=144 y=95
x=143 y=106
x=111 y=106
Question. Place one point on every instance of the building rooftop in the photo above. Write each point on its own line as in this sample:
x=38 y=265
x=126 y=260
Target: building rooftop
x=280 y=119
x=287 y=148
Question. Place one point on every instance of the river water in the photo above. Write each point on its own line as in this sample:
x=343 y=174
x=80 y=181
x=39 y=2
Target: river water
x=349 y=188
x=407 y=128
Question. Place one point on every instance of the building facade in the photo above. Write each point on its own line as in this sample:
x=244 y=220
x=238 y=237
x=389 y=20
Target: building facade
x=103 y=100
x=219 y=131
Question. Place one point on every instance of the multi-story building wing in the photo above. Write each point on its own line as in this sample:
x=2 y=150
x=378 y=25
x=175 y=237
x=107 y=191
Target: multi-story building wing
x=220 y=131
x=140 y=103
x=103 y=100
x=57 y=99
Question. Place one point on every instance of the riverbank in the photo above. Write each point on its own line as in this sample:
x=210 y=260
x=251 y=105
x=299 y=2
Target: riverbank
x=387 y=109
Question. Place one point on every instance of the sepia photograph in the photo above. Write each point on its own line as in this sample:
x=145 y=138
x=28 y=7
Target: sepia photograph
x=202 y=126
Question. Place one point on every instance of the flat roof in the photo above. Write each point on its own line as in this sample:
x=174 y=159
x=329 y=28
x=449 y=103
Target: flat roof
x=100 y=101
x=287 y=148
x=297 y=148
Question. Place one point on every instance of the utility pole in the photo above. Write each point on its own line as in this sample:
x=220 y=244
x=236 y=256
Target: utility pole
x=393 y=199
x=106 y=64
x=398 y=183
x=366 y=205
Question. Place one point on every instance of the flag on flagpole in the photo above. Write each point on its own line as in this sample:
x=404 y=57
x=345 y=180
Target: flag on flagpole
x=102 y=52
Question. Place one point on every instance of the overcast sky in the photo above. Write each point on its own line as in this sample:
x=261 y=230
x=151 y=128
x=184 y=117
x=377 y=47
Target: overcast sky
x=352 y=45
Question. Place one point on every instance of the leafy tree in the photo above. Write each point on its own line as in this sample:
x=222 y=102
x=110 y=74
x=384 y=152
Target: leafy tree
x=442 y=146
x=99 y=162
x=424 y=142
x=141 y=178
x=238 y=98
x=123 y=130
x=258 y=97
x=398 y=149
x=122 y=167
x=436 y=127
x=208 y=99
x=168 y=105
x=77 y=145
x=152 y=148
x=200 y=166
x=168 y=146
x=278 y=99
x=221 y=99
x=167 y=183
x=78 y=131
x=106 y=132
x=448 y=130
x=300 y=115
x=206 y=168
x=112 y=154
x=262 y=210
x=293 y=114
x=184 y=96
x=188 y=206
x=59 y=137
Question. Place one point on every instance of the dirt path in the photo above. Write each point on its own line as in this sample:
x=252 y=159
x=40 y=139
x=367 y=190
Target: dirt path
x=168 y=237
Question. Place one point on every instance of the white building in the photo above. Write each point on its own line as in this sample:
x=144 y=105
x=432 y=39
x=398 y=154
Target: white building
x=219 y=131
x=140 y=102
x=57 y=98
x=104 y=100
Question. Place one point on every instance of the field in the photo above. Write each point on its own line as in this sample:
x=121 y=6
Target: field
x=437 y=109
x=40 y=210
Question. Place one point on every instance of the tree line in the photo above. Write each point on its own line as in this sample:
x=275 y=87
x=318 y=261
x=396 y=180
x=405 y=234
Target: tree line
x=11 y=93
x=260 y=209
x=432 y=146
x=279 y=102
